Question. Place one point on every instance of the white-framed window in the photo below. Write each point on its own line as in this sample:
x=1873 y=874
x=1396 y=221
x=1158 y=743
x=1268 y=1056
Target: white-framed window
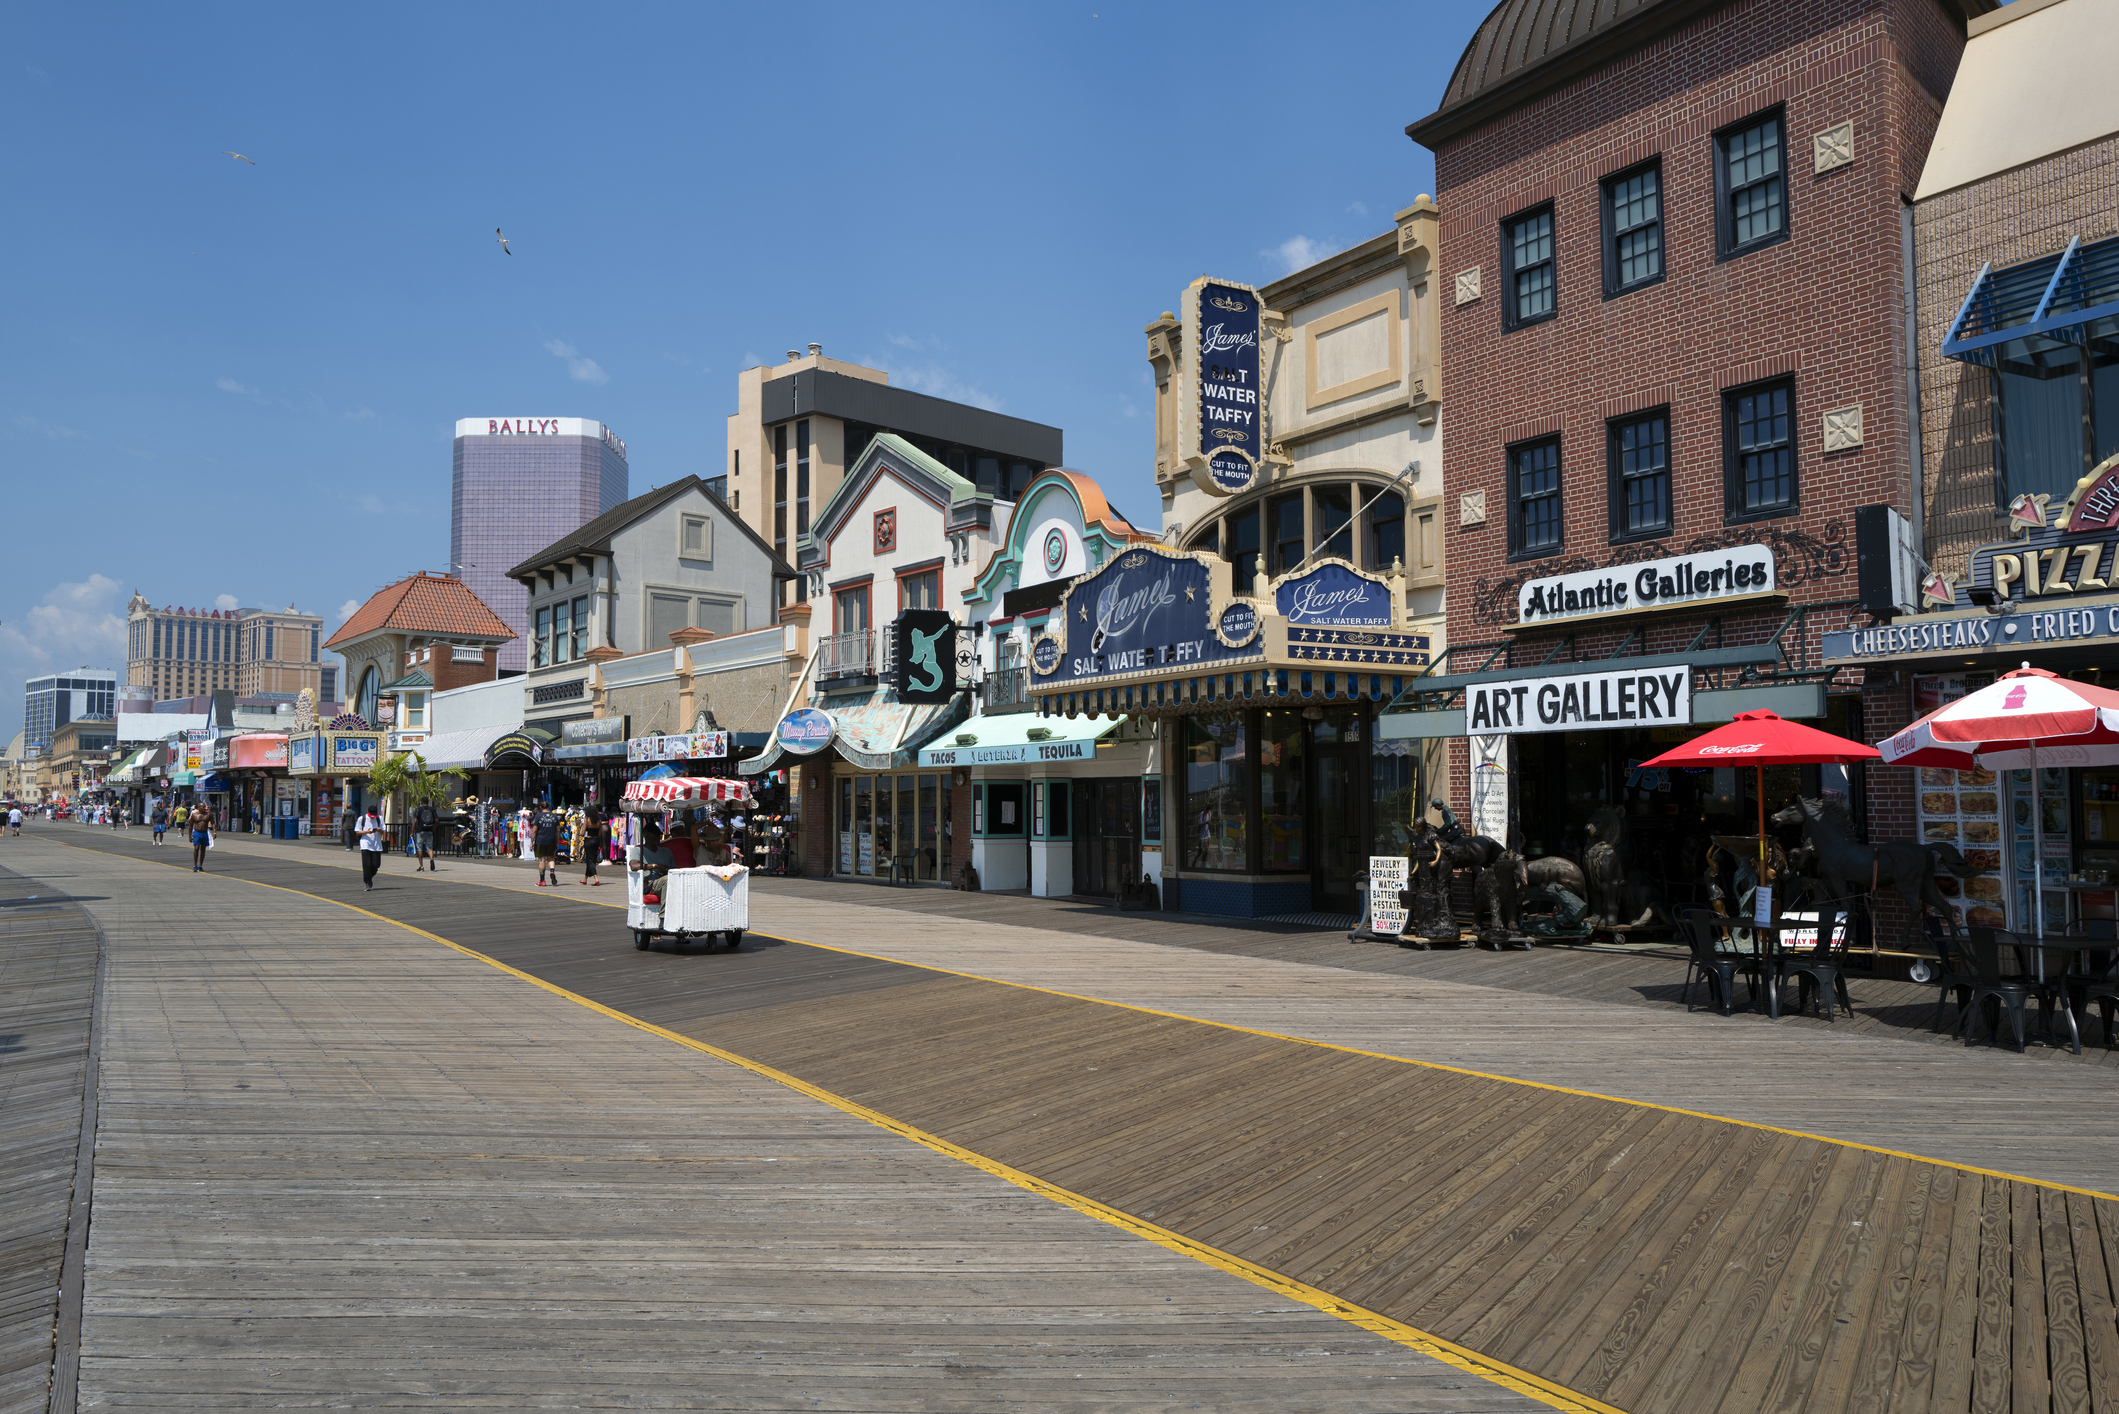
x=695 y=537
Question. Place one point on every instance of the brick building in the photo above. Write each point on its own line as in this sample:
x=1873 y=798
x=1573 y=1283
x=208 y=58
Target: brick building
x=2016 y=237
x=1675 y=363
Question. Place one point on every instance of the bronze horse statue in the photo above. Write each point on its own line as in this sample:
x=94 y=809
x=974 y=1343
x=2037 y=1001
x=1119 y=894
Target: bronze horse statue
x=1847 y=866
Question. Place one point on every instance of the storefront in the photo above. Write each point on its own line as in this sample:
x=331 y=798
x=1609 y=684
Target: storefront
x=858 y=806
x=330 y=769
x=1057 y=807
x=255 y=762
x=2044 y=599
x=1266 y=789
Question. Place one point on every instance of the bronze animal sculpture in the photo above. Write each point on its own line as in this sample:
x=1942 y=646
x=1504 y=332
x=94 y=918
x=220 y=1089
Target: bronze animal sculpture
x=1616 y=900
x=1497 y=900
x=1425 y=896
x=1557 y=871
x=1849 y=867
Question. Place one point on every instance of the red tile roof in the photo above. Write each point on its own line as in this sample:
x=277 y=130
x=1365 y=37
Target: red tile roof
x=440 y=605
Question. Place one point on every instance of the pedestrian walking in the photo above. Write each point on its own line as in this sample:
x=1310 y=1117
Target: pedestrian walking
x=161 y=821
x=595 y=841
x=544 y=843
x=14 y=820
x=201 y=839
x=370 y=829
x=424 y=816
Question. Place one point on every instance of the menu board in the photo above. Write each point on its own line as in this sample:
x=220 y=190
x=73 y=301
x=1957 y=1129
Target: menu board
x=2053 y=828
x=1963 y=809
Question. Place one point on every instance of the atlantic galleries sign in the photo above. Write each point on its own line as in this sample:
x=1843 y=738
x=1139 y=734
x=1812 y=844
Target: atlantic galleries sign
x=1638 y=697
x=1678 y=581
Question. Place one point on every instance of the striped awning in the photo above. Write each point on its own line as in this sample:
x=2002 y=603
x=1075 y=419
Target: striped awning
x=1178 y=696
x=677 y=792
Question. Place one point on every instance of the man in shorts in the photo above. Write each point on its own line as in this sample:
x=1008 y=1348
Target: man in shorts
x=161 y=821
x=423 y=817
x=544 y=843
x=201 y=823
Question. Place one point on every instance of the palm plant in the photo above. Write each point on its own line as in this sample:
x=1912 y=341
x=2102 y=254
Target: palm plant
x=407 y=773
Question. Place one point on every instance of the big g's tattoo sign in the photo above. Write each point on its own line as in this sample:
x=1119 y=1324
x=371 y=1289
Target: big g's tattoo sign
x=1226 y=438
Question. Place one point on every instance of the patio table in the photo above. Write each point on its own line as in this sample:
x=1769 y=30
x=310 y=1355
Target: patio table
x=2060 y=945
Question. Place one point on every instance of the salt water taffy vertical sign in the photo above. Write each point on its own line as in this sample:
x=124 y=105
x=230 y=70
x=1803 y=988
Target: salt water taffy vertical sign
x=1227 y=408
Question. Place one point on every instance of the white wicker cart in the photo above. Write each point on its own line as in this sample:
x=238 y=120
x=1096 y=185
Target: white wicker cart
x=709 y=902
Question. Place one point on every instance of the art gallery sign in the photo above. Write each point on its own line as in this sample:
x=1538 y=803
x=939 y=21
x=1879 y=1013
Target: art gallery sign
x=1633 y=697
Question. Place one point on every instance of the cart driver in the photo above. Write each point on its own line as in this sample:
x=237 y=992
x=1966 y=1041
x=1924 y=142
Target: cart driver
x=652 y=858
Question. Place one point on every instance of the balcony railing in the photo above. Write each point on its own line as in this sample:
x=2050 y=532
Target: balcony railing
x=848 y=655
x=1007 y=689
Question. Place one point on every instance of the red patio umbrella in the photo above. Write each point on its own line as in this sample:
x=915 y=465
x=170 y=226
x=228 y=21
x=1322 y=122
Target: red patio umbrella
x=1763 y=739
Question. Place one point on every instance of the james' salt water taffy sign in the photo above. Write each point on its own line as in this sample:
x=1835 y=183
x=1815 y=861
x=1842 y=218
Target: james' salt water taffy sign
x=1334 y=595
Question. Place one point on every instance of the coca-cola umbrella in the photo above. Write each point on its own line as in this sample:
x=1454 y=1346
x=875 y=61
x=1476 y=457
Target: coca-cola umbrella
x=2025 y=718
x=1761 y=739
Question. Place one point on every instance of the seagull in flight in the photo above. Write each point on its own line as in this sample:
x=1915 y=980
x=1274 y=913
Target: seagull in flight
x=503 y=241
x=237 y=156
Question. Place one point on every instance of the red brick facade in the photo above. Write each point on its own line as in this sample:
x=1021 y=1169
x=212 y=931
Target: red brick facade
x=1824 y=306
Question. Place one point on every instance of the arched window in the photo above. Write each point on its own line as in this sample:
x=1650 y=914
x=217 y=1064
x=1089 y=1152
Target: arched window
x=371 y=686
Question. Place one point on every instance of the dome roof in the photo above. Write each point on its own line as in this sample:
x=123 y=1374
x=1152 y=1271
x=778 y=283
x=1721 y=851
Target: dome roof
x=1529 y=47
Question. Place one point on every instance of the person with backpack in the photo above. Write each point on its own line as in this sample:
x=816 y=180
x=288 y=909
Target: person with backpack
x=544 y=843
x=370 y=829
x=424 y=816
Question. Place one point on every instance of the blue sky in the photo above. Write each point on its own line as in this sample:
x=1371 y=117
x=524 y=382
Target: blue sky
x=236 y=383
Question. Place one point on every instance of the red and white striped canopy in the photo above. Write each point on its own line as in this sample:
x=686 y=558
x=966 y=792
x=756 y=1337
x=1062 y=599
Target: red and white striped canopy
x=2065 y=723
x=678 y=792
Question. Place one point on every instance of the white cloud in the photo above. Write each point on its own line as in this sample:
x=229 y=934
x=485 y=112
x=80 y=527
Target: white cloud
x=78 y=622
x=1297 y=252
x=348 y=609
x=225 y=601
x=229 y=385
x=360 y=414
x=49 y=429
x=1358 y=208
x=583 y=370
x=929 y=377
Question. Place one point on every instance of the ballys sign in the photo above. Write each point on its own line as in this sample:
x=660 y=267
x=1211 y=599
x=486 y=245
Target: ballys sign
x=1149 y=610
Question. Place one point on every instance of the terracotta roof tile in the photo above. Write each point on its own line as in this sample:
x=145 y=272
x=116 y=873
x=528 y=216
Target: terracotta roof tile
x=427 y=603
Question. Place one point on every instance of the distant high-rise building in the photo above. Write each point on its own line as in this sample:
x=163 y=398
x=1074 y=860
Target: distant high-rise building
x=49 y=703
x=520 y=484
x=196 y=652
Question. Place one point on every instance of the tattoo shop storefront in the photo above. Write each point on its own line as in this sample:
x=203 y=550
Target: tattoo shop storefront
x=1272 y=789
x=2048 y=598
x=1606 y=667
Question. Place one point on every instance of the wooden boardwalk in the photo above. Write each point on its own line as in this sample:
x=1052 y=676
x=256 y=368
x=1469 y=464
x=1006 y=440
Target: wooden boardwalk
x=342 y=1166
x=47 y=984
x=1650 y=1259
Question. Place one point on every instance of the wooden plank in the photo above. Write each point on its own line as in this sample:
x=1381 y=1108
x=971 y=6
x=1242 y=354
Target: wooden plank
x=2030 y=1388
x=1909 y=1383
x=1993 y=1355
x=2067 y=1367
x=2100 y=1320
x=1858 y=1304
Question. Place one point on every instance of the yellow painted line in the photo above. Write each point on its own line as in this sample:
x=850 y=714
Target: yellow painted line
x=1382 y=1055
x=1435 y=1347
